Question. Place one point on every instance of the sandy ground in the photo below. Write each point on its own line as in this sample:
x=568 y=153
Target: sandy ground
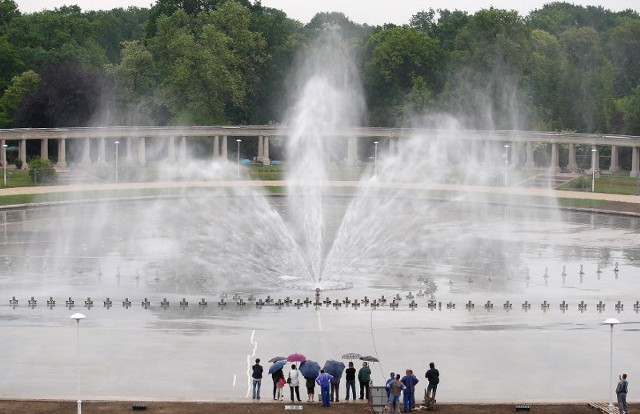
x=113 y=407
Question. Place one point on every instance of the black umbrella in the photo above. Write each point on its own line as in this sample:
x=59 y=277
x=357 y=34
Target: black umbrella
x=334 y=368
x=370 y=358
x=309 y=368
x=276 y=359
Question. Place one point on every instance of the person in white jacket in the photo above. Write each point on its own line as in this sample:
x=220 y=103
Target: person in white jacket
x=294 y=382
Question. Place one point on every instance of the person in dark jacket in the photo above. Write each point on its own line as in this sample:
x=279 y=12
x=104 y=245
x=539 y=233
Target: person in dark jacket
x=351 y=380
x=276 y=378
x=256 y=379
x=433 y=376
x=364 y=377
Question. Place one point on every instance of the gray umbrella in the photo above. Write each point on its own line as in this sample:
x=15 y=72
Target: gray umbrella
x=276 y=359
x=351 y=355
x=370 y=358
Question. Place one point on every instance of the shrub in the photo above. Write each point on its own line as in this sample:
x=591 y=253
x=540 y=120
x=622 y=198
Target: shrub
x=41 y=171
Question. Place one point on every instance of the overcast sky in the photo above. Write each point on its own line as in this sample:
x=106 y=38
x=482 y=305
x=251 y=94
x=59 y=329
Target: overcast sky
x=373 y=12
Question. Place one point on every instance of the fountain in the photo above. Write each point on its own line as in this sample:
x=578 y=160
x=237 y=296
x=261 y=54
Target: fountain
x=193 y=286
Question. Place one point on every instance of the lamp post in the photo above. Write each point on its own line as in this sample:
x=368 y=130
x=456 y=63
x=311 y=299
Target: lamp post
x=117 y=142
x=593 y=170
x=611 y=322
x=238 y=141
x=77 y=317
x=506 y=164
x=4 y=162
x=375 y=158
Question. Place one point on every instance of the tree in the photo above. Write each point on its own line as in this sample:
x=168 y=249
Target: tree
x=399 y=61
x=444 y=28
x=11 y=64
x=587 y=82
x=21 y=85
x=283 y=38
x=68 y=96
x=191 y=7
x=624 y=52
x=8 y=10
x=628 y=113
x=489 y=67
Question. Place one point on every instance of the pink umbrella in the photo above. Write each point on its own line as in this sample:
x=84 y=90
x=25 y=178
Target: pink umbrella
x=296 y=358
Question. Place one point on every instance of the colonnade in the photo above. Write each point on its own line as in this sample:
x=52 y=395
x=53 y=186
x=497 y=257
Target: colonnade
x=497 y=149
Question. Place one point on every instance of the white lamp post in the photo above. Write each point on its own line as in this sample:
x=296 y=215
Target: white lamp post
x=375 y=158
x=506 y=164
x=238 y=141
x=593 y=170
x=77 y=317
x=611 y=322
x=117 y=142
x=4 y=162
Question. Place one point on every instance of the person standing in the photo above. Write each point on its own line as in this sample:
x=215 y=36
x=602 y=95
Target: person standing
x=392 y=377
x=350 y=377
x=311 y=386
x=364 y=377
x=395 y=388
x=276 y=376
x=324 y=381
x=294 y=382
x=256 y=376
x=433 y=376
x=409 y=381
x=335 y=389
x=621 y=393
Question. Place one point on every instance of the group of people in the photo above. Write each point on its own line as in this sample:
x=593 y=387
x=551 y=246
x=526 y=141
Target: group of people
x=406 y=386
x=330 y=386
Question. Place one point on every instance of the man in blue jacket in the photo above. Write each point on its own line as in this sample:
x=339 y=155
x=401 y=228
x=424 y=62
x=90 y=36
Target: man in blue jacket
x=409 y=381
x=324 y=381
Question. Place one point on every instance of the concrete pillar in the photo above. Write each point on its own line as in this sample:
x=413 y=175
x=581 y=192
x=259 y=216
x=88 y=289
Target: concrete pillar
x=514 y=154
x=142 y=151
x=223 y=148
x=595 y=158
x=183 y=148
x=129 y=154
x=216 y=147
x=3 y=152
x=265 y=151
x=614 y=167
x=22 y=152
x=102 y=150
x=530 y=163
x=62 y=153
x=572 y=165
x=260 y=148
x=555 y=160
x=488 y=152
x=475 y=151
x=171 y=149
x=393 y=147
x=635 y=162
x=86 y=151
x=44 y=148
x=352 y=151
